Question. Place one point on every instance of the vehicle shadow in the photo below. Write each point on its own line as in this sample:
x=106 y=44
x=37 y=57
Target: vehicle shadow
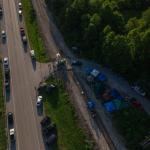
x=7 y=91
x=40 y=110
x=13 y=146
x=34 y=63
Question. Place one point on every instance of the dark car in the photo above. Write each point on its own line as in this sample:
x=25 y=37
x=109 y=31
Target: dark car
x=76 y=63
x=50 y=129
x=22 y=32
x=51 y=139
x=1 y=11
x=46 y=121
x=10 y=118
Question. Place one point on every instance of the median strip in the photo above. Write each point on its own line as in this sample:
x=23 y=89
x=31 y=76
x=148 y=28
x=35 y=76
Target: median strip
x=35 y=40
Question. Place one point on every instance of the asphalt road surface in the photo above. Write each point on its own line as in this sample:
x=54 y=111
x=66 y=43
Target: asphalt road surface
x=23 y=95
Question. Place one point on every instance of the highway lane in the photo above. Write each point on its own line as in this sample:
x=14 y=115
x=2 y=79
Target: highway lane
x=23 y=95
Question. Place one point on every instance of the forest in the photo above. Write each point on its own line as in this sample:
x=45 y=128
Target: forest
x=114 y=33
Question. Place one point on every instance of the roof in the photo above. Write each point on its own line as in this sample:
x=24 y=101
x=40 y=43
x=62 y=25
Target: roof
x=95 y=73
x=12 y=131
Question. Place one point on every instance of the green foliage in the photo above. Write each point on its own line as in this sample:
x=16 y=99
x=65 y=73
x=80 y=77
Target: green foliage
x=3 y=138
x=134 y=125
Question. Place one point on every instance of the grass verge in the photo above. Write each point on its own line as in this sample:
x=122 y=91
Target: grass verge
x=36 y=42
x=3 y=138
x=59 y=108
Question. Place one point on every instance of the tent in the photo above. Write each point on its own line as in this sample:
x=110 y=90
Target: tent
x=95 y=73
x=114 y=93
x=101 y=77
x=109 y=106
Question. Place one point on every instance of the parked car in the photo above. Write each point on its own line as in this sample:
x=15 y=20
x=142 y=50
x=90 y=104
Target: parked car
x=6 y=64
x=39 y=101
x=51 y=139
x=12 y=134
x=32 y=54
x=10 y=118
x=20 y=5
x=45 y=121
x=1 y=11
x=24 y=40
x=3 y=34
x=20 y=12
x=22 y=32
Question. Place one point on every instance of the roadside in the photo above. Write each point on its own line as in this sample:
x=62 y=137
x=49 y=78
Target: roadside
x=58 y=107
x=33 y=33
x=3 y=138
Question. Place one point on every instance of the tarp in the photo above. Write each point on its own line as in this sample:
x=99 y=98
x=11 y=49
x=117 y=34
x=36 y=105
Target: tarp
x=109 y=106
x=102 y=77
x=95 y=73
x=114 y=93
x=91 y=104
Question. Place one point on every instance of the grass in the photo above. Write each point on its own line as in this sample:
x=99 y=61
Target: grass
x=3 y=138
x=36 y=42
x=57 y=105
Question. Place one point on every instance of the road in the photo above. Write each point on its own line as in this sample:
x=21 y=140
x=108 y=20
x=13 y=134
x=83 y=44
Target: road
x=24 y=79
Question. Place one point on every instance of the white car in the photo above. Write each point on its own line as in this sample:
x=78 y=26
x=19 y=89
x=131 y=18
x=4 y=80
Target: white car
x=20 y=12
x=20 y=5
x=12 y=134
x=39 y=101
x=32 y=54
x=3 y=34
x=6 y=63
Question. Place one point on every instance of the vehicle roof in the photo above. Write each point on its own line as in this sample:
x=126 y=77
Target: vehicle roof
x=5 y=58
x=12 y=131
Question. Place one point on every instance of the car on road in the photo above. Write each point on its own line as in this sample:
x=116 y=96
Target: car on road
x=3 y=34
x=22 y=32
x=45 y=121
x=20 y=12
x=24 y=40
x=12 y=134
x=1 y=11
x=32 y=54
x=76 y=63
x=6 y=64
x=20 y=5
x=10 y=118
x=6 y=83
x=39 y=101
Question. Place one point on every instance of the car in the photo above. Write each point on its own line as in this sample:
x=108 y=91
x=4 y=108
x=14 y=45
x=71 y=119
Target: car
x=45 y=121
x=49 y=129
x=10 y=118
x=24 y=40
x=76 y=63
x=3 y=34
x=22 y=32
x=39 y=101
x=1 y=11
x=32 y=54
x=6 y=83
x=51 y=139
x=6 y=64
x=12 y=134
x=20 y=5
x=20 y=12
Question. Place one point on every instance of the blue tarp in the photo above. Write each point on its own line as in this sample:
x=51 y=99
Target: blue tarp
x=109 y=106
x=91 y=104
x=102 y=77
x=114 y=93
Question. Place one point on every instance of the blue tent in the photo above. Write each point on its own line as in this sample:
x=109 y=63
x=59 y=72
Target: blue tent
x=109 y=106
x=114 y=93
x=91 y=104
x=102 y=77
